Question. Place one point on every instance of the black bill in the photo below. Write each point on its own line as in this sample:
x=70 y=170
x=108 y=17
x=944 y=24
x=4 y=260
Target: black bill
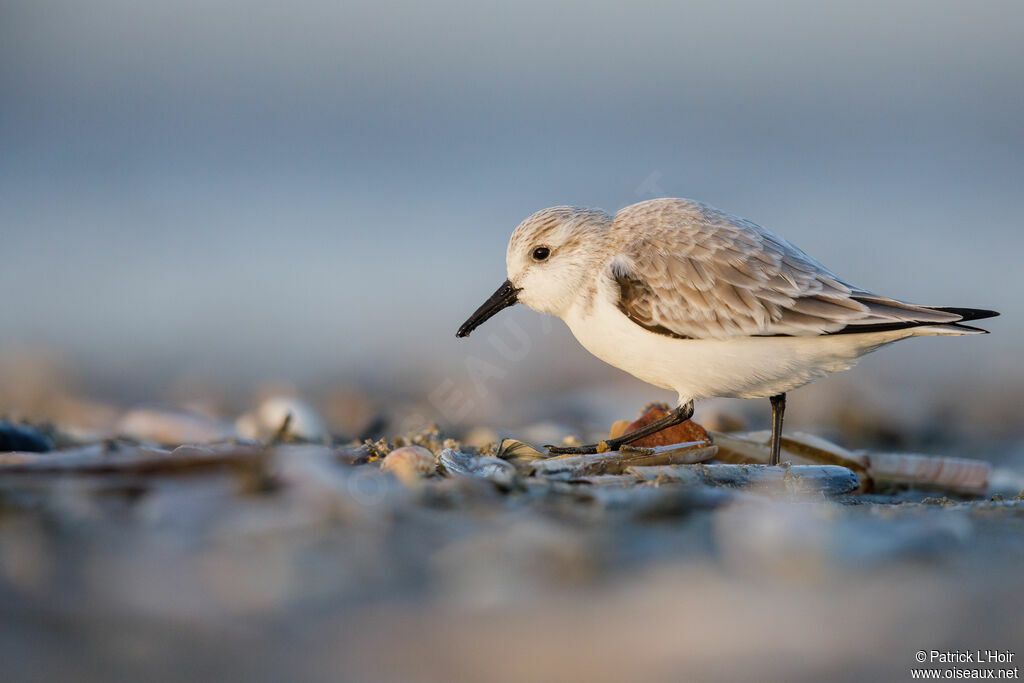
x=503 y=298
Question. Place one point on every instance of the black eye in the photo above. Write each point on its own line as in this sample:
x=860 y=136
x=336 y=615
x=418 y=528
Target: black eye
x=541 y=253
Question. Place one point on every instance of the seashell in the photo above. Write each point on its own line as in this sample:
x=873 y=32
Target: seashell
x=681 y=433
x=958 y=475
x=798 y=448
x=569 y=467
x=171 y=428
x=23 y=438
x=502 y=474
x=409 y=464
x=827 y=479
x=521 y=455
x=952 y=474
x=283 y=418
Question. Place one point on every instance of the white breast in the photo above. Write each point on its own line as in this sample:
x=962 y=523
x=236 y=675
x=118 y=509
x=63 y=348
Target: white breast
x=748 y=367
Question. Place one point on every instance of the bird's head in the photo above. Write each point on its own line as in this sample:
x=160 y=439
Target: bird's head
x=549 y=257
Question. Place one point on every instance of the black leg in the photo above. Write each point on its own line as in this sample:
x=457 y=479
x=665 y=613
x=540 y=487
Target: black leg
x=677 y=416
x=778 y=410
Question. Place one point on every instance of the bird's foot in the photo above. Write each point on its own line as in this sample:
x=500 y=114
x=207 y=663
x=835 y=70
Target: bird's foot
x=586 y=449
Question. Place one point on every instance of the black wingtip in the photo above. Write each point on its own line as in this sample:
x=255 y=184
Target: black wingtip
x=967 y=314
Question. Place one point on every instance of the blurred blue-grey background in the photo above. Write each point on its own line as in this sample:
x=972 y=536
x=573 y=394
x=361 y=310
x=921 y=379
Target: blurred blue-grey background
x=322 y=191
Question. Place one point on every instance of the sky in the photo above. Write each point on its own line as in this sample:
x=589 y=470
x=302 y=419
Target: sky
x=316 y=190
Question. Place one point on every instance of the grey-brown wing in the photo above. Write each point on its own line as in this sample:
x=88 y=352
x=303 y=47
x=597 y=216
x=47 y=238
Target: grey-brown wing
x=690 y=271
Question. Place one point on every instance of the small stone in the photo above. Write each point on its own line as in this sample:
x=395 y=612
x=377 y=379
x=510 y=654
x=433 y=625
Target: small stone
x=409 y=464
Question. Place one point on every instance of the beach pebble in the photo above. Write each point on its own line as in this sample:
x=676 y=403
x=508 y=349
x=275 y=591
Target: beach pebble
x=409 y=463
x=265 y=422
x=170 y=427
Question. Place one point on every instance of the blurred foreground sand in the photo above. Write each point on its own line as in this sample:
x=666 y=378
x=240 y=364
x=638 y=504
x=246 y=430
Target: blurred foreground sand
x=317 y=570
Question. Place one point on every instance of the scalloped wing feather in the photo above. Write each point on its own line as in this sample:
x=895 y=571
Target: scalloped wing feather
x=688 y=270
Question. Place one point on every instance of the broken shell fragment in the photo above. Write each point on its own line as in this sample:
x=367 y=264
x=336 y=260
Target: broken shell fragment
x=409 y=463
x=951 y=474
x=957 y=475
x=495 y=470
x=827 y=479
x=798 y=448
x=615 y=462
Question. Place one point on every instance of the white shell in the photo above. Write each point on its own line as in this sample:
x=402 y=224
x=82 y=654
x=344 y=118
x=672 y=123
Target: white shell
x=265 y=422
x=952 y=474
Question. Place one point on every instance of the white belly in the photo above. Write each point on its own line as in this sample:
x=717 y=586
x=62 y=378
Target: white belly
x=750 y=367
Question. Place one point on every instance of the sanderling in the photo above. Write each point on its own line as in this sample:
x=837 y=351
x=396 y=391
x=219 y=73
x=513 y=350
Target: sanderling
x=705 y=304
